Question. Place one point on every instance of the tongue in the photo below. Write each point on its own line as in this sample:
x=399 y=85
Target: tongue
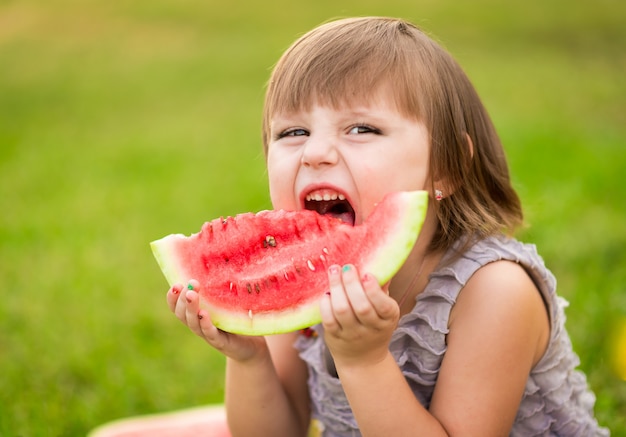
x=335 y=208
x=345 y=217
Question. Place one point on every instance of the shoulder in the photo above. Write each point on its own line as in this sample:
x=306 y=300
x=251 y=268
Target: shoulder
x=497 y=331
x=502 y=296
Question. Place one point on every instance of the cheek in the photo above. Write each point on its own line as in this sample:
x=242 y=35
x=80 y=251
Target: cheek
x=278 y=196
x=276 y=189
x=406 y=173
x=281 y=180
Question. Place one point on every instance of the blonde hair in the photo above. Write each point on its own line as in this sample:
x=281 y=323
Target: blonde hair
x=345 y=61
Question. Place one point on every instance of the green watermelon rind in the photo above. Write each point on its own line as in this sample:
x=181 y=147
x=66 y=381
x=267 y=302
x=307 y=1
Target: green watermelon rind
x=408 y=210
x=301 y=317
x=166 y=259
x=380 y=264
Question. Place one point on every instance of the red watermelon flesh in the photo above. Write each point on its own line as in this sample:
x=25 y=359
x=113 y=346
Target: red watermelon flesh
x=265 y=273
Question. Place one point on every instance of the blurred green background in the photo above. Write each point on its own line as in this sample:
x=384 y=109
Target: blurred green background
x=124 y=121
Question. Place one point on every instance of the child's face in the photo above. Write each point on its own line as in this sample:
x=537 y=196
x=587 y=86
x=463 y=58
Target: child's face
x=343 y=161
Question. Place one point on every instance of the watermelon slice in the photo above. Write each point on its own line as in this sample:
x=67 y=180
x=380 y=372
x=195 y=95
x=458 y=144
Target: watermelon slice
x=265 y=273
x=209 y=421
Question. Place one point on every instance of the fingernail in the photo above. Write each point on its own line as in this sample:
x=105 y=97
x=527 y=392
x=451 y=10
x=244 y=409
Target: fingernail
x=190 y=286
x=334 y=269
x=175 y=290
x=346 y=268
x=327 y=293
x=200 y=316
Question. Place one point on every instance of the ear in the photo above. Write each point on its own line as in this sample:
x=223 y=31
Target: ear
x=442 y=187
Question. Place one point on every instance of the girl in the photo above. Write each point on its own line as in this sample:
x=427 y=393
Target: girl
x=468 y=338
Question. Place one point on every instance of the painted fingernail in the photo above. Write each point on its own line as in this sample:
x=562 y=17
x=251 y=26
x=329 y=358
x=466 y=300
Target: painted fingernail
x=190 y=286
x=346 y=268
x=175 y=290
x=334 y=269
x=327 y=293
x=200 y=316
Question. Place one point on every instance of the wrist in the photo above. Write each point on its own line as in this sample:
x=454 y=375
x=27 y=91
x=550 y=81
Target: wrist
x=257 y=356
x=365 y=363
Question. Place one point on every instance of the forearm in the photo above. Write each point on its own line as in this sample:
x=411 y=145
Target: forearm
x=256 y=401
x=385 y=404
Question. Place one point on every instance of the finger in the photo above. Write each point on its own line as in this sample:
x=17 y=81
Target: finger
x=181 y=303
x=209 y=331
x=384 y=306
x=361 y=306
x=172 y=296
x=329 y=321
x=180 y=310
x=192 y=311
x=342 y=311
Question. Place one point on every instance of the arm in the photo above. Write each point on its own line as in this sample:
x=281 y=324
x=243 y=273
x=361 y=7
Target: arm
x=500 y=325
x=498 y=330
x=265 y=379
x=268 y=393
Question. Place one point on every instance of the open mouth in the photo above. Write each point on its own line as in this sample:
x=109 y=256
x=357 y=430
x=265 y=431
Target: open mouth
x=332 y=203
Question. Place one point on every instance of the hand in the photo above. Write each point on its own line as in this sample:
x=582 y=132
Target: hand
x=185 y=304
x=358 y=316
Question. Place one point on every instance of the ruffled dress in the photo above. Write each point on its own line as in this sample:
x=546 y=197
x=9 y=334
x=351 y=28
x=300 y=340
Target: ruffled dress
x=556 y=401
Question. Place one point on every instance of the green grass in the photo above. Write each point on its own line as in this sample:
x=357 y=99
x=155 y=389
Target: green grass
x=121 y=122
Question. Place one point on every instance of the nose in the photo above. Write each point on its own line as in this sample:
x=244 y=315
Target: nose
x=319 y=152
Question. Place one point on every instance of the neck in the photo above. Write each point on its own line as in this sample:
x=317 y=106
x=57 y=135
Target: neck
x=412 y=279
x=413 y=276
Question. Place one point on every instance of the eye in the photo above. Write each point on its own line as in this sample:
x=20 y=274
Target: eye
x=292 y=132
x=361 y=128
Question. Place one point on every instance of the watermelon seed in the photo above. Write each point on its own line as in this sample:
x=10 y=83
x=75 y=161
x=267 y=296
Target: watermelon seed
x=309 y=263
x=323 y=258
x=249 y=288
x=270 y=241
x=325 y=251
x=257 y=288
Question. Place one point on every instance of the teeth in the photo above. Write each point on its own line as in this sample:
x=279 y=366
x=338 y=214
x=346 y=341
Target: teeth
x=318 y=197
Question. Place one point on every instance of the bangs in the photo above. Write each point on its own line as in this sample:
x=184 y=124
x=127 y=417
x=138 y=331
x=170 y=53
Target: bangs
x=332 y=77
x=341 y=63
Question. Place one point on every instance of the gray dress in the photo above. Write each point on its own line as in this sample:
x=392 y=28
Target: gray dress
x=556 y=401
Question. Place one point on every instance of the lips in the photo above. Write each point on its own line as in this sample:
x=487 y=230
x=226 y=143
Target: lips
x=330 y=202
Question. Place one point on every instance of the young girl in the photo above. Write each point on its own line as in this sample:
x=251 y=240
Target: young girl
x=468 y=338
